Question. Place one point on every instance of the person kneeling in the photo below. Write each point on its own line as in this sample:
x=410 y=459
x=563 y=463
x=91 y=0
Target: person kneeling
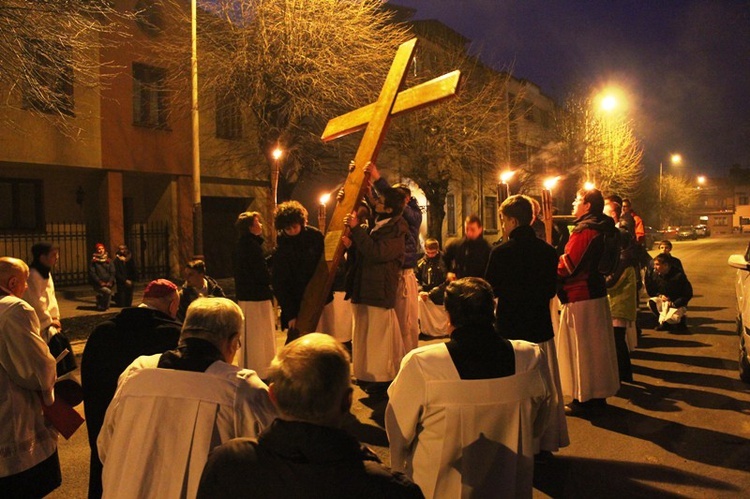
x=670 y=292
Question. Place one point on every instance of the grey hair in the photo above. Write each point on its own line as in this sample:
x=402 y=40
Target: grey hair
x=212 y=319
x=309 y=377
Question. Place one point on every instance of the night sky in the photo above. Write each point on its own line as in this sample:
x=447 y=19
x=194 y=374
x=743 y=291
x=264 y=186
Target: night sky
x=684 y=65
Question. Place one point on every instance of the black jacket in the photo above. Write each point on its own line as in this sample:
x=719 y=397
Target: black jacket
x=523 y=275
x=466 y=257
x=294 y=263
x=295 y=459
x=189 y=294
x=674 y=285
x=252 y=281
x=112 y=346
x=430 y=272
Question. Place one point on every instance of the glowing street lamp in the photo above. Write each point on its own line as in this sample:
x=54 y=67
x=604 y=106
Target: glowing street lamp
x=675 y=159
x=549 y=184
x=701 y=181
x=609 y=103
x=322 y=212
x=503 y=189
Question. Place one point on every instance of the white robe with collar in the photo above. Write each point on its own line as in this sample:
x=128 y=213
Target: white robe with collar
x=162 y=423
x=467 y=438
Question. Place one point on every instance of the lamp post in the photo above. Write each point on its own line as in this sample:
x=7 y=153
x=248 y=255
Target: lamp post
x=322 y=212
x=675 y=159
x=197 y=209
x=273 y=197
x=549 y=184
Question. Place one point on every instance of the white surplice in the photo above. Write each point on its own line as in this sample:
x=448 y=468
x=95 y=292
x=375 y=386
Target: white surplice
x=467 y=438
x=586 y=352
x=377 y=347
x=406 y=307
x=162 y=423
x=259 y=337
x=556 y=434
x=433 y=319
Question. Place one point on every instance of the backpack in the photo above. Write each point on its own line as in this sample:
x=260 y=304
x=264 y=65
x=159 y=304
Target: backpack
x=611 y=243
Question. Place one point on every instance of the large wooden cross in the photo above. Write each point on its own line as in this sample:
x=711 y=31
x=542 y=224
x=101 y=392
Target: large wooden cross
x=374 y=118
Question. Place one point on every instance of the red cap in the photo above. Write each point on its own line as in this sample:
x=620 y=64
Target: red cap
x=99 y=245
x=159 y=289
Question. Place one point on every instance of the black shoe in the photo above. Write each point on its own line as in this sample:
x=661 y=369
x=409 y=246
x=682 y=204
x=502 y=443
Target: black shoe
x=663 y=327
x=593 y=407
x=682 y=325
x=376 y=388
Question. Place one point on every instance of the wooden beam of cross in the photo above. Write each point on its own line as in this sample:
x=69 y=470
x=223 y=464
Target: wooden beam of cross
x=374 y=118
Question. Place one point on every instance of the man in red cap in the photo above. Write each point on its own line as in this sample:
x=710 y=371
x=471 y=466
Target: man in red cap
x=148 y=329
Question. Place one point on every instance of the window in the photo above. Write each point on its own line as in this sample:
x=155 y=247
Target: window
x=490 y=213
x=48 y=86
x=743 y=198
x=451 y=209
x=720 y=221
x=228 y=117
x=21 y=205
x=149 y=96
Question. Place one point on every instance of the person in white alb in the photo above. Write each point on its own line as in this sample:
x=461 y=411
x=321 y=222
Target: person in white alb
x=463 y=415
x=29 y=464
x=171 y=409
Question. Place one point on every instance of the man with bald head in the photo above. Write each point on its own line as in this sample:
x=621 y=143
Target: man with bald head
x=305 y=452
x=147 y=329
x=29 y=465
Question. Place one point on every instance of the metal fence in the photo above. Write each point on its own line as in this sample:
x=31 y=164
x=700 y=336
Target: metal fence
x=148 y=242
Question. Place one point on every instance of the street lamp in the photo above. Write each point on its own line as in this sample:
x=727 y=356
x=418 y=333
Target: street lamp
x=322 y=212
x=675 y=159
x=701 y=181
x=549 y=184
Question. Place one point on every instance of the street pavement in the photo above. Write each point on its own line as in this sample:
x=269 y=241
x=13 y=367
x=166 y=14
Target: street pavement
x=680 y=430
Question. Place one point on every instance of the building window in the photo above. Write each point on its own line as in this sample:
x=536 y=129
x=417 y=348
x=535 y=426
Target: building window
x=451 y=214
x=228 y=117
x=149 y=96
x=720 y=221
x=49 y=77
x=743 y=198
x=490 y=213
x=21 y=205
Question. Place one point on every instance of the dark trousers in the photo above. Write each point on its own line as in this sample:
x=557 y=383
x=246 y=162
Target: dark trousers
x=37 y=481
x=103 y=298
x=124 y=295
x=623 y=355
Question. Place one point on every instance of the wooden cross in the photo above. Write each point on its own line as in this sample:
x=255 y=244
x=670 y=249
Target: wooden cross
x=374 y=118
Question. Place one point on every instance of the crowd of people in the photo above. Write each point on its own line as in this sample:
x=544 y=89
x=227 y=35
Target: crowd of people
x=528 y=326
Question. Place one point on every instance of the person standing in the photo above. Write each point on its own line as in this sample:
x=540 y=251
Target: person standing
x=585 y=343
x=29 y=463
x=622 y=292
x=147 y=329
x=305 y=452
x=126 y=275
x=523 y=274
x=298 y=251
x=377 y=342
x=406 y=306
x=102 y=277
x=468 y=256
x=41 y=295
x=252 y=282
x=462 y=416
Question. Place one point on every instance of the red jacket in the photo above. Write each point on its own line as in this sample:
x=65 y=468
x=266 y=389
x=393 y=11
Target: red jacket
x=577 y=269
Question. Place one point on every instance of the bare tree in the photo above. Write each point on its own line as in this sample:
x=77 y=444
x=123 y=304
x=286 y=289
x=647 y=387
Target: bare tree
x=459 y=140
x=600 y=147
x=47 y=46
x=293 y=64
x=678 y=200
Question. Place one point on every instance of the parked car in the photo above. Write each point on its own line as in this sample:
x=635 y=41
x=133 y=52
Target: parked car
x=702 y=230
x=651 y=236
x=668 y=232
x=742 y=292
x=687 y=232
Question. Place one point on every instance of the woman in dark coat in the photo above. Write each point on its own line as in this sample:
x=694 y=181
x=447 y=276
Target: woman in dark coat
x=252 y=282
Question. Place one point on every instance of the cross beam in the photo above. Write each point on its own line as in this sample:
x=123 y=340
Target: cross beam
x=374 y=118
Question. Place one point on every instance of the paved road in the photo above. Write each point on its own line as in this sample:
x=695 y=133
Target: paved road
x=680 y=430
